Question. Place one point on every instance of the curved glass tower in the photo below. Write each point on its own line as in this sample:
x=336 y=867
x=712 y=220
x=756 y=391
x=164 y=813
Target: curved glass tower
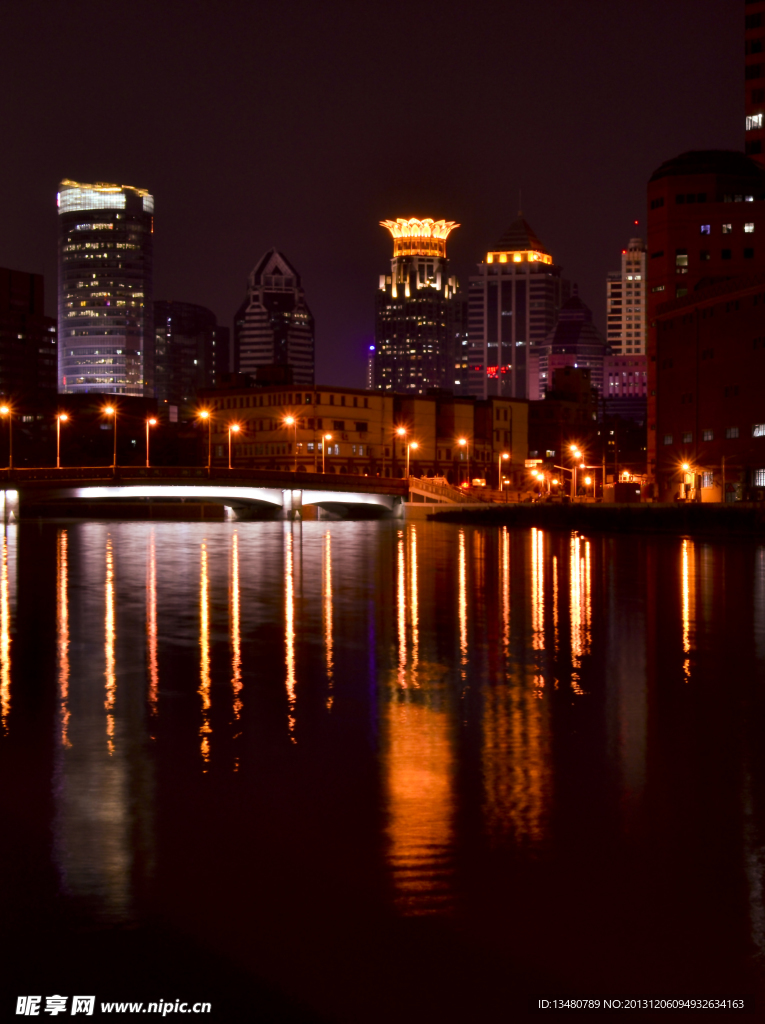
x=105 y=294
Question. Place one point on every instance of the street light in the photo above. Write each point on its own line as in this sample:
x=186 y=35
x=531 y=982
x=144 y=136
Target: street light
x=587 y=482
x=206 y=416
x=5 y=410
x=464 y=443
x=60 y=418
x=577 y=455
x=412 y=445
x=149 y=423
x=291 y=421
x=503 y=456
x=232 y=428
x=324 y=439
x=110 y=410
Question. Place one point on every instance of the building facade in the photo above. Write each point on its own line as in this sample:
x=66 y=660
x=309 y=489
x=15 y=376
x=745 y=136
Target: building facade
x=185 y=340
x=356 y=431
x=754 y=79
x=574 y=341
x=274 y=326
x=414 y=310
x=626 y=302
x=28 y=362
x=105 y=289
x=705 y=216
x=513 y=304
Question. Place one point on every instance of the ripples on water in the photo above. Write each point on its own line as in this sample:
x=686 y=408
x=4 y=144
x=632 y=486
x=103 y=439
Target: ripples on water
x=547 y=744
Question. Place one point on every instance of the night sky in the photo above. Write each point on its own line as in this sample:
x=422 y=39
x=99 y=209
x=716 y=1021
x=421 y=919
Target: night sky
x=301 y=125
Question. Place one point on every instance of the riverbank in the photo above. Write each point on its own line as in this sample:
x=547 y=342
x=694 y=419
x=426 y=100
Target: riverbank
x=713 y=519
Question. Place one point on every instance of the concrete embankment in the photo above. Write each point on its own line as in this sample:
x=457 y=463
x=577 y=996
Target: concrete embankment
x=716 y=520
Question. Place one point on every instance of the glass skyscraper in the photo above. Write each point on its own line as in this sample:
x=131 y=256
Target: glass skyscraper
x=105 y=293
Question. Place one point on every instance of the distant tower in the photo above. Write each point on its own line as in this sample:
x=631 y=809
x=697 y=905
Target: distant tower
x=575 y=341
x=105 y=289
x=414 y=318
x=513 y=304
x=185 y=337
x=626 y=302
x=274 y=326
x=754 y=80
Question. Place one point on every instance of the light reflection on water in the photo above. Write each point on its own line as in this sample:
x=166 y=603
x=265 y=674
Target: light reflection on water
x=505 y=680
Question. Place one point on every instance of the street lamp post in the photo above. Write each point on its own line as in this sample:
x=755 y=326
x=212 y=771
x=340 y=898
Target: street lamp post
x=464 y=443
x=324 y=439
x=111 y=410
x=232 y=428
x=149 y=423
x=60 y=418
x=206 y=416
x=291 y=421
x=587 y=482
x=5 y=410
x=412 y=445
x=502 y=457
x=577 y=455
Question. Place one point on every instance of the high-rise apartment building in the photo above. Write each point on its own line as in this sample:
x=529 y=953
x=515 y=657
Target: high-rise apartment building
x=574 y=341
x=414 y=314
x=754 y=79
x=513 y=304
x=274 y=326
x=105 y=300
x=27 y=337
x=186 y=337
x=626 y=302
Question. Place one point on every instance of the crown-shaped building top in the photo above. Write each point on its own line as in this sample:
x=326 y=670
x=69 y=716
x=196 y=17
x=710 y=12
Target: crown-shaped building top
x=519 y=244
x=415 y=237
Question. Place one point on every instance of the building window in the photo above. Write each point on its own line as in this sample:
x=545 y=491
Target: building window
x=731 y=432
x=758 y=430
x=667 y=439
x=705 y=229
x=726 y=254
x=687 y=437
x=753 y=71
x=707 y=479
x=656 y=203
x=727 y=229
x=749 y=228
x=748 y=254
x=704 y=255
x=754 y=122
x=758 y=478
x=707 y=435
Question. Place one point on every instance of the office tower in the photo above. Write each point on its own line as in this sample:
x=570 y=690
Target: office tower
x=223 y=358
x=574 y=341
x=461 y=342
x=414 y=316
x=185 y=341
x=513 y=304
x=705 y=217
x=27 y=337
x=274 y=326
x=754 y=79
x=106 y=334
x=626 y=302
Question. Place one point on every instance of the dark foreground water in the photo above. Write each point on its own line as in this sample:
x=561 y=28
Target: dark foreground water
x=369 y=772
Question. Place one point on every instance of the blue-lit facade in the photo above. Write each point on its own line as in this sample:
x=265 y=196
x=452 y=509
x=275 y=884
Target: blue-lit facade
x=105 y=289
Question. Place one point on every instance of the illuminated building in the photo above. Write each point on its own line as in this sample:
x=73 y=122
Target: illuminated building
x=574 y=341
x=705 y=227
x=106 y=334
x=27 y=337
x=186 y=340
x=513 y=304
x=754 y=79
x=626 y=302
x=414 y=314
x=274 y=326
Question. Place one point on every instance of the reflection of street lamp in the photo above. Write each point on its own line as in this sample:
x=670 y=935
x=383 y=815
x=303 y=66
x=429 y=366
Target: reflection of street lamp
x=232 y=428
x=463 y=441
x=324 y=439
x=60 y=418
x=149 y=423
x=206 y=416
x=110 y=410
x=503 y=456
x=412 y=445
x=5 y=410
x=291 y=421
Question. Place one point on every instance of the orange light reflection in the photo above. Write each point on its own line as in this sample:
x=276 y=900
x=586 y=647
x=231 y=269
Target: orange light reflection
x=109 y=638
x=204 y=655
x=62 y=631
x=151 y=627
x=235 y=629
x=289 y=632
x=327 y=610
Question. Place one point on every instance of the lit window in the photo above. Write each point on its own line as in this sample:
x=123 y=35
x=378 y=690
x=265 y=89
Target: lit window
x=758 y=430
x=727 y=229
x=667 y=439
x=687 y=437
x=707 y=479
x=758 y=477
x=707 y=435
x=731 y=432
x=704 y=229
x=753 y=122
x=748 y=228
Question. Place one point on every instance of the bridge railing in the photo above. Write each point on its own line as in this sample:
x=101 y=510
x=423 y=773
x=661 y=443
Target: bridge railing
x=441 y=490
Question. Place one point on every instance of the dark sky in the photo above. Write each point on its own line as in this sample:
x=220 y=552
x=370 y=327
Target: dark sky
x=302 y=124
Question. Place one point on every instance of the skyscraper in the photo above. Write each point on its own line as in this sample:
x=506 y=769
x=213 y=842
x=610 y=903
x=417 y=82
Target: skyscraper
x=185 y=350
x=27 y=338
x=414 y=314
x=754 y=79
x=575 y=341
x=105 y=286
x=274 y=326
x=513 y=304
x=626 y=302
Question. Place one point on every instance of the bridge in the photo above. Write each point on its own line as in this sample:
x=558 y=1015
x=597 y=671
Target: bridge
x=244 y=491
